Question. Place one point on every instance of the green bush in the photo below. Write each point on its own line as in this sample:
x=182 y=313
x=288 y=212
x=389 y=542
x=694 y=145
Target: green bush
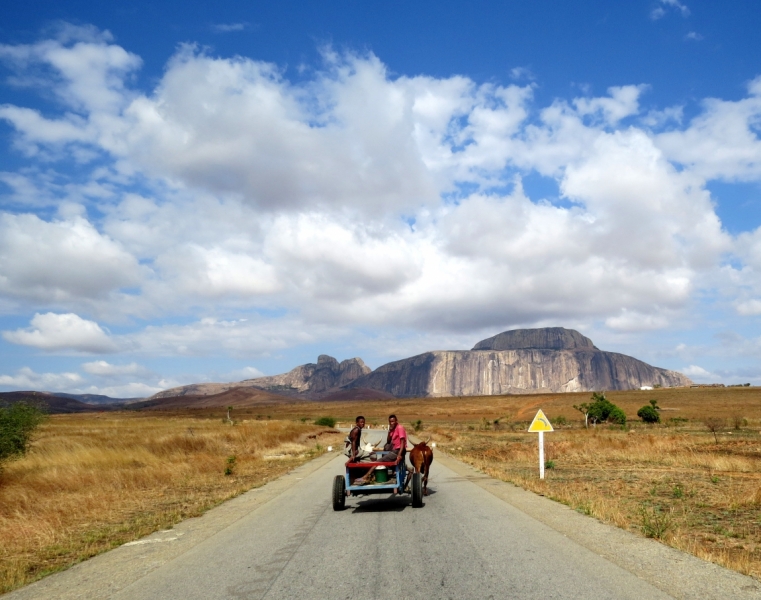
x=616 y=415
x=17 y=424
x=326 y=422
x=602 y=410
x=649 y=414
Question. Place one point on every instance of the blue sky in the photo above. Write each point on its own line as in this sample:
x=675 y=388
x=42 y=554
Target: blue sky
x=194 y=192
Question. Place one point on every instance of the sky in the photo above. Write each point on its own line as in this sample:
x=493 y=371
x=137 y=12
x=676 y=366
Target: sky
x=216 y=191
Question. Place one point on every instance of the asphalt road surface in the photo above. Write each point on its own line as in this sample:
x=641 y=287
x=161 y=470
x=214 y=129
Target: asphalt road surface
x=465 y=542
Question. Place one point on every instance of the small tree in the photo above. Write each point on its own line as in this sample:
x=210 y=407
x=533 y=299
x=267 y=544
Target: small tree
x=17 y=424
x=584 y=410
x=714 y=424
x=601 y=410
x=649 y=413
x=229 y=410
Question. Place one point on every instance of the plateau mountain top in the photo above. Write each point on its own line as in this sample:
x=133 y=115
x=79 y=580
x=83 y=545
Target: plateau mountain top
x=521 y=361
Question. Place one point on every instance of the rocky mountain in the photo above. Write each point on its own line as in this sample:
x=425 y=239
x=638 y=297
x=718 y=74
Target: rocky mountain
x=310 y=381
x=521 y=361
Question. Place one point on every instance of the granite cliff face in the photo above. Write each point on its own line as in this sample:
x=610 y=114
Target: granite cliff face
x=312 y=380
x=552 y=359
x=522 y=361
x=309 y=381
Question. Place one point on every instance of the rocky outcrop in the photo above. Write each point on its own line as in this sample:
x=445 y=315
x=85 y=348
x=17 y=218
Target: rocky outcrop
x=518 y=362
x=552 y=359
x=546 y=338
x=310 y=381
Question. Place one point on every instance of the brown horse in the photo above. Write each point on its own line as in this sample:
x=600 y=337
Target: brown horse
x=421 y=457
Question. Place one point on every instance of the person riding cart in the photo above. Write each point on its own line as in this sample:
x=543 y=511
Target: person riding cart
x=394 y=450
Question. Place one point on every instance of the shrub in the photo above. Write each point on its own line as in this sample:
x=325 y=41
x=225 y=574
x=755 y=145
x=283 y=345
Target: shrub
x=649 y=414
x=326 y=422
x=230 y=464
x=602 y=410
x=17 y=424
x=714 y=424
x=654 y=522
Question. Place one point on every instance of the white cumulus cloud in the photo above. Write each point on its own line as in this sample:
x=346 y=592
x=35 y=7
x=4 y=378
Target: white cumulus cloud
x=26 y=379
x=53 y=332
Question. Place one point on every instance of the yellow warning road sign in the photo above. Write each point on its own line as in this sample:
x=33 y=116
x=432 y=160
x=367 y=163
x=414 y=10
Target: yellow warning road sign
x=540 y=423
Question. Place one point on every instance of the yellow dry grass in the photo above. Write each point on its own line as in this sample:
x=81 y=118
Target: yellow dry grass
x=94 y=481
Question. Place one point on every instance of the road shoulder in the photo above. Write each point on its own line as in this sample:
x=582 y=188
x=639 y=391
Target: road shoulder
x=134 y=560
x=677 y=573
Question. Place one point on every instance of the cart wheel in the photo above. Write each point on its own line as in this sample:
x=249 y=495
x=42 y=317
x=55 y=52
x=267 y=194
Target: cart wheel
x=417 y=490
x=339 y=492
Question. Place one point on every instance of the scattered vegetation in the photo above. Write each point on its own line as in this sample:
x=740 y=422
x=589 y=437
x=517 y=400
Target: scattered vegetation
x=325 y=422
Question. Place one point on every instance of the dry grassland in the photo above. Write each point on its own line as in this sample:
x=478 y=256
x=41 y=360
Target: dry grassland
x=92 y=482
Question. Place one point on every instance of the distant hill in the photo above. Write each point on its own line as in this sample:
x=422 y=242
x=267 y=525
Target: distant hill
x=95 y=398
x=311 y=381
x=239 y=397
x=53 y=403
x=356 y=394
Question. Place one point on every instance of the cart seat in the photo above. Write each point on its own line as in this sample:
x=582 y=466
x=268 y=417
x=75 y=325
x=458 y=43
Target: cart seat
x=367 y=465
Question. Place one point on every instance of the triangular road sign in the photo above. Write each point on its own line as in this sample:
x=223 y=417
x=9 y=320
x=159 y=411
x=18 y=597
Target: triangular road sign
x=540 y=423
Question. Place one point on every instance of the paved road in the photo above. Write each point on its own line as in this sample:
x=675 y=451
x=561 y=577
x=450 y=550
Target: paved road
x=466 y=542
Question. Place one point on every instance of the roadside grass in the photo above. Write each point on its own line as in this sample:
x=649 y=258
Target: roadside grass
x=91 y=482
x=676 y=485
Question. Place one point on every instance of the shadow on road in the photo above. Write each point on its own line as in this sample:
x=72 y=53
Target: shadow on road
x=394 y=504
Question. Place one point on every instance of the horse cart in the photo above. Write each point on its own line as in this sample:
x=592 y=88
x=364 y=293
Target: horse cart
x=389 y=478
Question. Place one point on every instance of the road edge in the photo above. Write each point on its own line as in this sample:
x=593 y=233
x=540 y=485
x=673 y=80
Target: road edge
x=673 y=571
x=134 y=560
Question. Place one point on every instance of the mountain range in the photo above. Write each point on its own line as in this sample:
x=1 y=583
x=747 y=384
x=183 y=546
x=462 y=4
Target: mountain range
x=550 y=359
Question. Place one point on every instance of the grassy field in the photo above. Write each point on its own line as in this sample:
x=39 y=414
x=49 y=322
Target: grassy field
x=94 y=481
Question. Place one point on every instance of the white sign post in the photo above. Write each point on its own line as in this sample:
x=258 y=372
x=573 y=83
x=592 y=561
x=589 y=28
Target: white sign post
x=540 y=424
